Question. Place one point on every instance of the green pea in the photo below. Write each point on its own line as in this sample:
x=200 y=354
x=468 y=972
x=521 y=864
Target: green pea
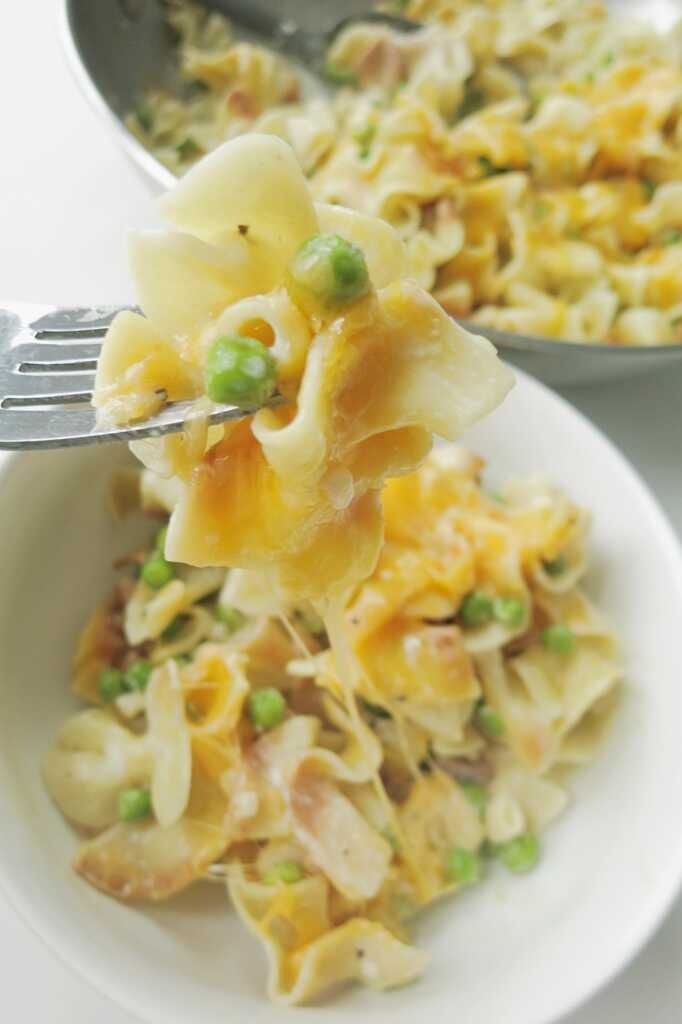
x=174 y=628
x=188 y=149
x=338 y=75
x=559 y=638
x=160 y=540
x=475 y=793
x=489 y=722
x=157 y=572
x=137 y=676
x=240 y=371
x=266 y=707
x=145 y=118
x=110 y=684
x=463 y=867
x=196 y=87
x=476 y=609
x=134 y=804
x=391 y=838
x=230 y=617
x=287 y=871
x=488 y=167
x=364 y=138
x=520 y=854
x=329 y=271
x=649 y=188
x=555 y=566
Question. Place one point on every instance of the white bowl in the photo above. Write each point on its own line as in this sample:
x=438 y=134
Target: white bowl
x=513 y=951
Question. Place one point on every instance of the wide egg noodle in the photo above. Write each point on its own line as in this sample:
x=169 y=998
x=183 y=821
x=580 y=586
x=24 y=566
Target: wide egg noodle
x=170 y=742
x=142 y=861
x=437 y=816
x=93 y=758
x=296 y=789
x=307 y=955
x=139 y=370
x=148 y=612
x=520 y=801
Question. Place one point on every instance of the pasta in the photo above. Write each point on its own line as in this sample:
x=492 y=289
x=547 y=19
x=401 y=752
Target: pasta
x=527 y=152
x=340 y=675
x=361 y=391
x=262 y=801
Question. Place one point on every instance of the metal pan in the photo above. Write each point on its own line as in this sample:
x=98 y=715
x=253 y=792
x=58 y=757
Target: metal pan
x=118 y=48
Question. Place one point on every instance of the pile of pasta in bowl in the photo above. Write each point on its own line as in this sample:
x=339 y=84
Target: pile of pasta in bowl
x=528 y=153
x=342 y=677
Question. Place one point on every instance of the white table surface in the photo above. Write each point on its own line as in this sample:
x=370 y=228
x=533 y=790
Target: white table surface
x=67 y=198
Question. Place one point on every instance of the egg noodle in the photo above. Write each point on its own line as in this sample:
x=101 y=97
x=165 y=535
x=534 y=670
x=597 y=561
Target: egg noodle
x=342 y=674
x=527 y=151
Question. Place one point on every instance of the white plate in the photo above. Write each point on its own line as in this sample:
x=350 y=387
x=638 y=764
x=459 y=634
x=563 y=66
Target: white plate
x=512 y=951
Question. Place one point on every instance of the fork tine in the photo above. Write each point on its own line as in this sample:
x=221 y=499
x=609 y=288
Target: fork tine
x=77 y=321
x=35 y=389
x=57 y=428
x=58 y=366
x=45 y=428
x=46 y=398
x=45 y=352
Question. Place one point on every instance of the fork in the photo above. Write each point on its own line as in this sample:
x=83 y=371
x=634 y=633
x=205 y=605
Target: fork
x=48 y=358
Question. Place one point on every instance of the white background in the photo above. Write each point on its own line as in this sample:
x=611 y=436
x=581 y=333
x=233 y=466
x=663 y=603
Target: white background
x=67 y=198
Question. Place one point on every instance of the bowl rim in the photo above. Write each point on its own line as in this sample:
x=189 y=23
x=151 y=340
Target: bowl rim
x=90 y=969
x=555 y=346
x=132 y=146
x=155 y=170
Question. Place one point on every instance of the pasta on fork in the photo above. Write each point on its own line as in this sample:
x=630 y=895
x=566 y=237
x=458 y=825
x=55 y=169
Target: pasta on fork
x=368 y=366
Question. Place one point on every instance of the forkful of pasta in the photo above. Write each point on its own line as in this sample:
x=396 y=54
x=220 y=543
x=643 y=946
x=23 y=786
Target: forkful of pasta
x=52 y=366
x=240 y=301
x=48 y=373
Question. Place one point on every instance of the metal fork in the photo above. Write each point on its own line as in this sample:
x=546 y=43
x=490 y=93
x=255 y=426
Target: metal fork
x=48 y=358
